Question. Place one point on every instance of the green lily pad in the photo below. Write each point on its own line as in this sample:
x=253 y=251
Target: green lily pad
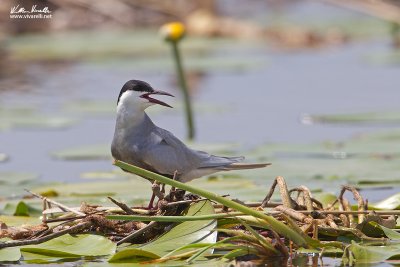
x=9 y=254
x=140 y=45
x=325 y=198
x=135 y=186
x=356 y=118
x=133 y=255
x=370 y=254
x=134 y=190
x=68 y=246
x=199 y=64
x=19 y=220
x=389 y=233
x=13 y=183
x=92 y=107
x=20 y=209
x=365 y=160
x=33 y=258
x=386 y=58
x=106 y=175
x=17 y=178
x=27 y=118
x=87 y=152
x=391 y=203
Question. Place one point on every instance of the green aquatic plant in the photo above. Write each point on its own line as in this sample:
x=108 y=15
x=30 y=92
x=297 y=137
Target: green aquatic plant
x=173 y=33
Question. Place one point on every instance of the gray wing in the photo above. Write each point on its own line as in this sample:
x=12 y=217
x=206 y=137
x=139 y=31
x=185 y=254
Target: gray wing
x=216 y=162
x=168 y=154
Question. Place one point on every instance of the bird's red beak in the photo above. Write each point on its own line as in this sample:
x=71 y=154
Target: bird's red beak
x=156 y=101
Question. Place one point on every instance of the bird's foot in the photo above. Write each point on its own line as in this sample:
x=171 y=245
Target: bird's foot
x=157 y=191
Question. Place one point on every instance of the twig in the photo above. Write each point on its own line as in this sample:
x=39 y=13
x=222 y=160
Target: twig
x=123 y=206
x=286 y=200
x=65 y=219
x=39 y=240
x=171 y=204
x=306 y=197
x=347 y=219
x=297 y=215
x=61 y=206
x=357 y=196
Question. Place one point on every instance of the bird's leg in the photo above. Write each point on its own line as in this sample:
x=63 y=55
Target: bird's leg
x=157 y=192
x=150 y=206
x=172 y=191
x=163 y=188
x=155 y=187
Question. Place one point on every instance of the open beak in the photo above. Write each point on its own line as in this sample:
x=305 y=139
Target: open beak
x=156 y=101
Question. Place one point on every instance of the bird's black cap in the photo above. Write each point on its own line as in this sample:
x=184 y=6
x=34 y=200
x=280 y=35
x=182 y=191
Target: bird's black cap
x=135 y=85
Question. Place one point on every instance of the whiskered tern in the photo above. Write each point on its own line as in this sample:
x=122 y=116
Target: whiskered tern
x=138 y=141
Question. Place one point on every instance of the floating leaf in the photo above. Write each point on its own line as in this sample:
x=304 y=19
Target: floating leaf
x=140 y=45
x=356 y=118
x=136 y=186
x=88 y=152
x=92 y=107
x=33 y=258
x=10 y=254
x=390 y=233
x=15 y=117
x=13 y=183
x=390 y=203
x=16 y=178
x=68 y=246
x=21 y=209
x=133 y=255
x=386 y=58
x=325 y=198
x=370 y=254
x=19 y=220
x=115 y=174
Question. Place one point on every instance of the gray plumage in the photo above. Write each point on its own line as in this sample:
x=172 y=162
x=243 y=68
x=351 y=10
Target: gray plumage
x=138 y=141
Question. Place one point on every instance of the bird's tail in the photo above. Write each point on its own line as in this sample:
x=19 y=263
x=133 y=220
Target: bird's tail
x=245 y=166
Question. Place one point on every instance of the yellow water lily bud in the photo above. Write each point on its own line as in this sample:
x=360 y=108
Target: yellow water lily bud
x=173 y=31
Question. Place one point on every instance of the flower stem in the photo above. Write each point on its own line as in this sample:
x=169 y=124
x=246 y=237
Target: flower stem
x=184 y=88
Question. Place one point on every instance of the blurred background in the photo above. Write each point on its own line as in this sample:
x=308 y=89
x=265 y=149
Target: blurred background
x=311 y=86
